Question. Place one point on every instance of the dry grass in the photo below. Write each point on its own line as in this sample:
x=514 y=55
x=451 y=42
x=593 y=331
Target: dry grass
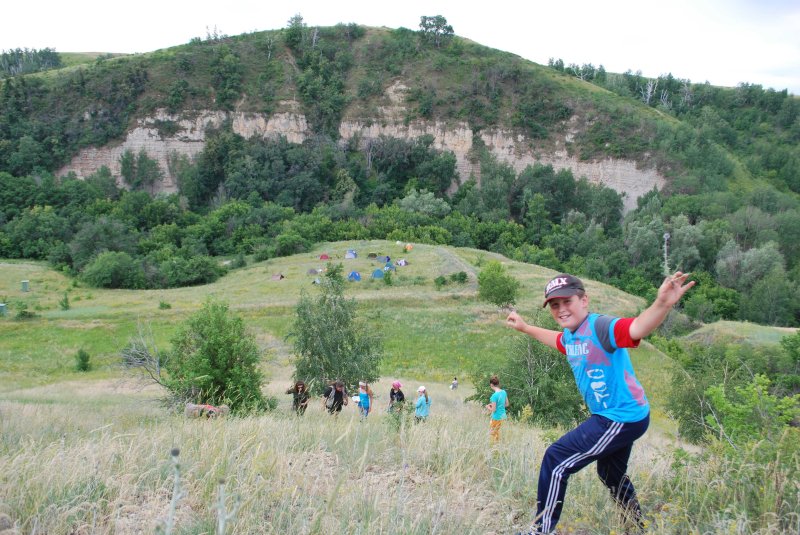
x=94 y=459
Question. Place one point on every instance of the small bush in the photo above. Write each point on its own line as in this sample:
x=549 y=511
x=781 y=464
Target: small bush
x=264 y=253
x=496 y=286
x=114 y=270
x=82 y=363
x=388 y=278
x=23 y=313
x=459 y=278
x=239 y=262
x=64 y=302
x=440 y=282
x=163 y=305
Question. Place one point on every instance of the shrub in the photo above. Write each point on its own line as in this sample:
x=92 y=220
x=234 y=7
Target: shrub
x=264 y=253
x=82 y=363
x=178 y=271
x=239 y=262
x=114 y=270
x=496 y=286
x=162 y=305
x=214 y=360
x=290 y=243
x=460 y=277
x=23 y=313
x=64 y=302
x=440 y=282
x=388 y=279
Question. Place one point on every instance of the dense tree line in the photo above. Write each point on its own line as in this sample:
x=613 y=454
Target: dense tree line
x=271 y=197
x=18 y=61
x=760 y=126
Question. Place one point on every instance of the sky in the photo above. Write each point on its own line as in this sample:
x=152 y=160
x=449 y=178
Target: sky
x=723 y=42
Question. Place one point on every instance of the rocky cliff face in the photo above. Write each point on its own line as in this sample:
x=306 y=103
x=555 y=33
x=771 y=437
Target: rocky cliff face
x=507 y=146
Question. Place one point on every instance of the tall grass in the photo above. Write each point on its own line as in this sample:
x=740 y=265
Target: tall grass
x=101 y=464
x=79 y=454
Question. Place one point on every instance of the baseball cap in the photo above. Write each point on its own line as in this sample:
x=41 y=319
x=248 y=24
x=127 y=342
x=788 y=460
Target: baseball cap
x=421 y=389
x=562 y=285
x=396 y=384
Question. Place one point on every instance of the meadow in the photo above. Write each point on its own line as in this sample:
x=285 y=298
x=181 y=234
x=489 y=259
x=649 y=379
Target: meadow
x=89 y=452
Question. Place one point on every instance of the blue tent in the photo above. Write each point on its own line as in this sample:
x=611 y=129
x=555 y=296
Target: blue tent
x=351 y=254
x=354 y=276
x=389 y=266
x=377 y=274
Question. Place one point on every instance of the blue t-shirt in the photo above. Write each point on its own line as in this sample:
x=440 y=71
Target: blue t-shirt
x=603 y=370
x=499 y=399
x=363 y=399
x=422 y=407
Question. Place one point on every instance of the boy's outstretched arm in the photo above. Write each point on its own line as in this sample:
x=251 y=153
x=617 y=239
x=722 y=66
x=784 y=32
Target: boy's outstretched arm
x=545 y=336
x=669 y=293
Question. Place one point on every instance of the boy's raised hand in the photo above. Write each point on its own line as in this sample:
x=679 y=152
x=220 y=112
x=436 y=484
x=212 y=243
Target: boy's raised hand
x=673 y=288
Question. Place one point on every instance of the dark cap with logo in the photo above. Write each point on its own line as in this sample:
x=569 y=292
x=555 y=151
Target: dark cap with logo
x=562 y=286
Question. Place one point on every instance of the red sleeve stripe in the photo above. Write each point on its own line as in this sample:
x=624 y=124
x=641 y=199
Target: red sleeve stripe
x=622 y=333
x=560 y=344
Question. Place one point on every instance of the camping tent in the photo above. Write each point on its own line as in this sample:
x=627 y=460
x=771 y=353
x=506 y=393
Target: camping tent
x=377 y=274
x=408 y=247
x=278 y=276
x=389 y=266
x=316 y=281
x=354 y=276
x=383 y=259
x=402 y=262
x=350 y=254
x=313 y=271
x=324 y=256
x=372 y=255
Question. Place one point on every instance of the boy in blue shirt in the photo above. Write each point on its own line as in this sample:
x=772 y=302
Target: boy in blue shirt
x=497 y=407
x=595 y=347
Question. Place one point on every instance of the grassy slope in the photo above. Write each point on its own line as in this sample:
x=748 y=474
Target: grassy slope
x=106 y=443
x=429 y=335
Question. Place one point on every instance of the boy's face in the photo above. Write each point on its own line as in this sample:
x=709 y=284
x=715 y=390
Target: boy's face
x=569 y=312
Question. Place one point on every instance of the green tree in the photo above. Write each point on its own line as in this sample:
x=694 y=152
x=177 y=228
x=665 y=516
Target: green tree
x=215 y=360
x=773 y=300
x=435 y=30
x=330 y=341
x=424 y=202
x=36 y=231
x=752 y=413
x=539 y=378
x=102 y=234
x=496 y=286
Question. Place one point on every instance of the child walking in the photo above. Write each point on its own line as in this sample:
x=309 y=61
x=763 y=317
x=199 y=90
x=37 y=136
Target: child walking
x=423 y=406
x=497 y=408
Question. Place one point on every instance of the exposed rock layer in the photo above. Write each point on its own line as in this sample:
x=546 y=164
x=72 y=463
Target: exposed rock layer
x=507 y=146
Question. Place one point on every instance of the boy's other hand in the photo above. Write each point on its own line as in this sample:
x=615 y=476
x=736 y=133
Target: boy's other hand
x=515 y=321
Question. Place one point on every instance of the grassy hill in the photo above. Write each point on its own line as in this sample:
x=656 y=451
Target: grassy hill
x=428 y=333
x=343 y=72
x=105 y=439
